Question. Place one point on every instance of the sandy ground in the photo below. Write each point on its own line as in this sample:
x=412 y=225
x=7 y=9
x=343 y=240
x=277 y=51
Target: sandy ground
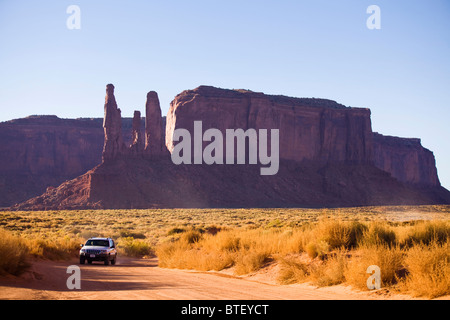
x=135 y=279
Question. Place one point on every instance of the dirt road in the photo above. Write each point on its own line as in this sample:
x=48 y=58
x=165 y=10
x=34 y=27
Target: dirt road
x=142 y=279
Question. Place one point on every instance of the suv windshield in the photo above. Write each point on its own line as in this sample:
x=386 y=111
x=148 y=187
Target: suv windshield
x=100 y=243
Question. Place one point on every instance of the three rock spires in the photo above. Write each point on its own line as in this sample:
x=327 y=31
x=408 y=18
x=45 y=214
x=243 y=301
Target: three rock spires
x=114 y=146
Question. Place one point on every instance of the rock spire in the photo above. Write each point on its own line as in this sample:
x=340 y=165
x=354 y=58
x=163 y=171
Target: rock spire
x=151 y=145
x=112 y=125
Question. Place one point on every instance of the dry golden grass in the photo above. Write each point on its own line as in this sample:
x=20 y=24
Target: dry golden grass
x=13 y=253
x=325 y=253
x=428 y=270
x=54 y=248
x=321 y=246
x=155 y=225
x=293 y=270
x=135 y=247
x=330 y=272
x=388 y=259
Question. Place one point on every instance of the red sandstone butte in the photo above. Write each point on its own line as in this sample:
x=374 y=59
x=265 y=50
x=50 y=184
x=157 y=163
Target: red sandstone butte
x=329 y=157
x=316 y=130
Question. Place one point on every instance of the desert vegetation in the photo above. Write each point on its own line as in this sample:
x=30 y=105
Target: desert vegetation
x=323 y=247
x=414 y=258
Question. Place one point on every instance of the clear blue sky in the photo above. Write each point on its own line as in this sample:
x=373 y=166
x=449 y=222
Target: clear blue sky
x=295 y=48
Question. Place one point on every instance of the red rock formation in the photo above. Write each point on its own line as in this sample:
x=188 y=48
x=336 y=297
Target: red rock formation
x=326 y=150
x=406 y=160
x=112 y=124
x=141 y=183
x=43 y=151
x=310 y=129
x=137 y=144
x=154 y=130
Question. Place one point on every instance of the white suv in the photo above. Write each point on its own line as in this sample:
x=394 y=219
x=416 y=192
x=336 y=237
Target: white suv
x=98 y=249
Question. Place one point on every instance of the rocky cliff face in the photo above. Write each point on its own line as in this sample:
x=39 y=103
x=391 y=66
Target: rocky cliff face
x=406 y=160
x=144 y=183
x=44 y=151
x=315 y=130
x=329 y=156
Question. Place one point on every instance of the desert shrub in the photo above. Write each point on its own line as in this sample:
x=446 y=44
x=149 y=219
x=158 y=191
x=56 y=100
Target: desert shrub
x=334 y=232
x=336 y=252
x=277 y=223
x=293 y=240
x=317 y=249
x=134 y=247
x=250 y=260
x=388 y=259
x=54 y=248
x=292 y=271
x=339 y=233
x=247 y=252
x=212 y=260
x=378 y=233
x=191 y=236
x=356 y=232
x=428 y=232
x=428 y=269
x=182 y=255
x=168 y=254
x=175 y=230
x=331 y=271
x=223 y=241
x=86 y=234
x=213 y=229
x=127 y=233
x=13 y=253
